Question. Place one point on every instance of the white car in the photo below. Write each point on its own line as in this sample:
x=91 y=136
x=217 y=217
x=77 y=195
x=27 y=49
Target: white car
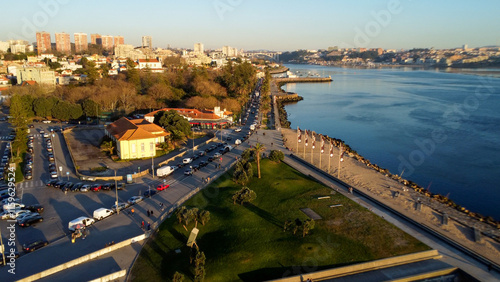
x=187 y=160
x=85 y=188
x=237 y=142
x=237 y=130
x=135 y=199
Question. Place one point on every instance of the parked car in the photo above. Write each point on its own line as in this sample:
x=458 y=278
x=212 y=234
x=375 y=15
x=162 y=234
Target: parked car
x=203 y=164
x=25 y=215
x=135 y=199
x=59 y=184
x=149 y=193
x=67 y=186
x=237 y=129
x=34 y=208
x=188 y=172
x=106 y=186
x=121 y=186
x=76 y=187
x=119 y=207
x=96 y=187
x=32 y=246
x=237 y=142
x=85 y=188
x=53 y=174
x=30 y=220
x=162 y=187
x=187 y=160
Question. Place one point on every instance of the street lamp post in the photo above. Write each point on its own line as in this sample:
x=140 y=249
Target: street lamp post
x=152 y=166
x=116 y=193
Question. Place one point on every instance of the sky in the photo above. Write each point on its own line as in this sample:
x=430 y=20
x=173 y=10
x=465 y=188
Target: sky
x=272 y=25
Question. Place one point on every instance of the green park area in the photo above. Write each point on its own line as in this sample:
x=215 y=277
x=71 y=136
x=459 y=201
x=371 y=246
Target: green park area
x=248 y=241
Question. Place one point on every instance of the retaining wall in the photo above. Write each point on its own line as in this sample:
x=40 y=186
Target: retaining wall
x=82 y=259
x=363 y=267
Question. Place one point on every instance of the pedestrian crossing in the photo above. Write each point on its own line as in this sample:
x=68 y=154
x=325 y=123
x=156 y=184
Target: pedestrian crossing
x=30 y=184
x=6 y=137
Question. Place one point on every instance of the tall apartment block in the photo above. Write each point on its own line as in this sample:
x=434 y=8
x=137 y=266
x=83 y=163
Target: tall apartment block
x=119 y=40
x=198 y=48
x=95 y=39
x=81 y=42
x=43 y=42
x=147 y=42
x=63 y=42
x=107 y=42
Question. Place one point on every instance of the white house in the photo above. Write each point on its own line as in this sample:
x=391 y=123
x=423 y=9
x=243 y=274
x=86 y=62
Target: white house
x=153 y=64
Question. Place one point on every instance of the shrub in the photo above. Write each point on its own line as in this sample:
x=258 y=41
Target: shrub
x=276 y=156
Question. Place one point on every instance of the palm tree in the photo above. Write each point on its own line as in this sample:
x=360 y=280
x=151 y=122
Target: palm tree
x=258 y=149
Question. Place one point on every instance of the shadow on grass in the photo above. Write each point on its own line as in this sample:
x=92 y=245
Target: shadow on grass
x=263 y=214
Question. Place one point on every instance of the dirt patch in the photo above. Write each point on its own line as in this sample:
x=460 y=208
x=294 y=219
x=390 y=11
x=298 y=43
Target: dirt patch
x=84 y=145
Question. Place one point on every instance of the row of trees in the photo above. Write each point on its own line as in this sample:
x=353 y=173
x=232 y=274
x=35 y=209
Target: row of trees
x=193 y=88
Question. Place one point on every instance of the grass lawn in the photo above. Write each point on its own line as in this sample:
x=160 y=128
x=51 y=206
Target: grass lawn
x=247 y=242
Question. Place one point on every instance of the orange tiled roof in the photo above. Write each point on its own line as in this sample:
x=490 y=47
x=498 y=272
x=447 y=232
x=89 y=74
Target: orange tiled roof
x=191 y=113
x=28 y=82
x=148 y=61
x=136 y=129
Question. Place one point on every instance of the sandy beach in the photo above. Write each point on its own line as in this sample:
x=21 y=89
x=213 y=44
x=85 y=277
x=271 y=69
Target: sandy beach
x=397 y=196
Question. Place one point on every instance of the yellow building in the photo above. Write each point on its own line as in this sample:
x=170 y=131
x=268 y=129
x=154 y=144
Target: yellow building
x=136 y=138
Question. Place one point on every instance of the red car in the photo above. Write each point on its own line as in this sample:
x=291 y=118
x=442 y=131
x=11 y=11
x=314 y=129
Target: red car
x=96 y=187
x=162 y=187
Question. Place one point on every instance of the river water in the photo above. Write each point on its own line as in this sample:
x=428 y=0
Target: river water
x=442 y=129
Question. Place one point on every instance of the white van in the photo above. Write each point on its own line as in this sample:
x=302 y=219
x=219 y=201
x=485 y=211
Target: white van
x=82 y=220
x=102 y=213
x=164 y=171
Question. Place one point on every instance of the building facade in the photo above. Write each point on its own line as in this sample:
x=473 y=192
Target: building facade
x=136 y=138
x=198 y=48
x=43 y=42
x=119 y=40
x=95 y=39
x=81 y=42
x=107 y=42
x=41 y=75
x=63 y=42
x=147 y=42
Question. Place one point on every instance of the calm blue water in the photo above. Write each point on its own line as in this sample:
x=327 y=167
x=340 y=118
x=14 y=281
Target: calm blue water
x=442 y=129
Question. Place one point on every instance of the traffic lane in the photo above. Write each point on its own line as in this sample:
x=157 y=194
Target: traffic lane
x=122 y=228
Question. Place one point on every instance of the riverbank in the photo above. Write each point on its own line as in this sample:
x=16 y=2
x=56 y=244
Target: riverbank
x=402 y=198
x=401 y=194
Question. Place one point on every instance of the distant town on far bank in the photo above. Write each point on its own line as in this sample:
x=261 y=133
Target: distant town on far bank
x=44 y=61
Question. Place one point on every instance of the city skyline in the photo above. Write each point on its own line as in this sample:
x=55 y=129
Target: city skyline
x=280 y=26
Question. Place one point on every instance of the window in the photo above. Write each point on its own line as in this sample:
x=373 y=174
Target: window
x=132 y=148
x=142 y=147
x=151 y=146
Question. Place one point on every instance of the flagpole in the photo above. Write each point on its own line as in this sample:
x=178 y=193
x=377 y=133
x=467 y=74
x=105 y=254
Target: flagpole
x=298 y=136
x=340 y=158
x=305 y=143
x=312 y=146
x=330 y=157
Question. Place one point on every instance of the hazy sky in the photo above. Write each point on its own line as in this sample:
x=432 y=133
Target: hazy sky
x=256 y=24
